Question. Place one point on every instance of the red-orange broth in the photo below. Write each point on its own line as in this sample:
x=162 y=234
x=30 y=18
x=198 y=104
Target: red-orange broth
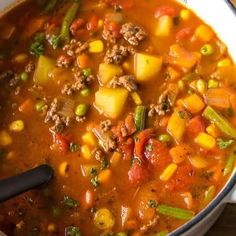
x=131 y=102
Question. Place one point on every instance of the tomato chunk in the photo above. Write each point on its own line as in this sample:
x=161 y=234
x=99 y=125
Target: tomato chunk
x=165 y=10
x=184 y=33
x=195 y=126
x=62 y=142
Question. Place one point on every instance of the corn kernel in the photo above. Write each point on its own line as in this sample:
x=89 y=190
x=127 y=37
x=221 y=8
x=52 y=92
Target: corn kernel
x=201 y=86
x=193 y=85
x=96 y=46
x=204 y=33
x=5 y=138
x=185 y=14
x=89 y=138
x=224 y=63
x=137 y=99
x=100 y=23
x=213 y=83
x=104 y=176
x=17 y=126
x=168 y=172
x=181 y=85
x=126 y=65
x=86 y=152
x=205 y=141
x=116 y=157
x=64 y=168
x=51 y=227
x=213 y=131
x=20 y=58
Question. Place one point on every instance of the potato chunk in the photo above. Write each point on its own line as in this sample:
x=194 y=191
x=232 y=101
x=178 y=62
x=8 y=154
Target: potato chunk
x=111 y=101
x=164 y=26
x=146 y=66
x=107 y=71
x=44 y=67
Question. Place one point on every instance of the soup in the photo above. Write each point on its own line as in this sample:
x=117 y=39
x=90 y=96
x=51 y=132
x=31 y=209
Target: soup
x=131 y=102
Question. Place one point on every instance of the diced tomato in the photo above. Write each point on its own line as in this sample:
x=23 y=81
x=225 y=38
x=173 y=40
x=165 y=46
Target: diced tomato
x=182 y=179
x=130 y=125
x=138 y=173
x=114 y=28
x=141 y=141
x=63 y=142
x=165 y=10
x=92 y=24
x=195 y=126
x=184 y=33
x=124 y=4
x=157 y=154
x=127 y=148
x=76 y=25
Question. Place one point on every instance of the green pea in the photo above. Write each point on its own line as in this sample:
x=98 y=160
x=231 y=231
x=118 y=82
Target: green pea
x=87 y=72
x=39 y=106
x=165 y=138
x=56 y=211
x=81 y=110
x=24 y=76
x=207 y=50
x=85 y=92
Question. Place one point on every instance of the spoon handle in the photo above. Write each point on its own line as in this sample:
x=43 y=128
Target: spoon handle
x=25 y=181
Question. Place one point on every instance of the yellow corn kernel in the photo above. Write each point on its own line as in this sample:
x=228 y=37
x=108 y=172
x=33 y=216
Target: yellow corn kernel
x=104 y=176
x=168 y=172
x=201 y=86
x=193 y=85
x=115 y=159
x=137 y=99
x=224 y=63
x=86 y=152
x=193 y=103
x=213 y=131
x=204 y=33
x=51 y=227
x=17 y=126
x=185 y=14
x=5 y=138
x=205 y=141
x=96 y=46
x=181 y=85
x=90 y=139
x=198 y=162
x=100 y=23
x=20 y=58
x=64 y=168
x=127 y=66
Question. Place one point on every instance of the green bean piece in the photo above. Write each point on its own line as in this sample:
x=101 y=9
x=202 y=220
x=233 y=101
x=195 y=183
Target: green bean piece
x=140 y=117
x=230 y=162
x=209 y=194
x=177 y=213
x=50 y=6
x=39 y=106
x=56 y=211
x=162 y=233
x=81 y=110
x=220 y=121
x=68 y=19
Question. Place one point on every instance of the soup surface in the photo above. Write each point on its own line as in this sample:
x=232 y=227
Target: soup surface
x=131 y=102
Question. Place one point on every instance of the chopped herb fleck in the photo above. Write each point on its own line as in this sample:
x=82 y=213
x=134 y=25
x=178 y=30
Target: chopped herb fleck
x=149 y=148
x=70 y=202
x=224 y=144
x=104 y=164
x=73 y=231
x=95 y=181
x=37 y=45
x=181 y=114
x=93 y=172
x=152 y=204
x=74 y=147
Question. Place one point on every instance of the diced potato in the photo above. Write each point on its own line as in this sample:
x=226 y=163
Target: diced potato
x=104 y=176
x=204 y=33
x=17 y=126
x=176 y=126
x=193 y=103
x=86 y=152
x=96 y=46
x=111 y=101
x=107 y=71
x=90 y=139
x=115 y=159
x=213 y=130
x=164 y=25
x=44 y=67
x=146 y=66
x=172 y=74
x=198 y=162
x=205 y=141
x=103 y=219
x=86 y=169
x=185 y=14
x=180 y=153
x=5 y=138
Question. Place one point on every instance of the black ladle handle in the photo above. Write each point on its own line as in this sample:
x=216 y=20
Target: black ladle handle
x=21 y=183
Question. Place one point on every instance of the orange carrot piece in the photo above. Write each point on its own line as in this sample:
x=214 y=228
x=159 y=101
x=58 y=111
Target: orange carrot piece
x=27 y=106
x=164 y=121
x=83 y=61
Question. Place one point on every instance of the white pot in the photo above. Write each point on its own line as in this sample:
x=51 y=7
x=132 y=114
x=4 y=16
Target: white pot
x=221 y=15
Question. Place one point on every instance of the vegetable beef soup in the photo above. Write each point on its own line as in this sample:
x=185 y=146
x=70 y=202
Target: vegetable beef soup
x=133 y=104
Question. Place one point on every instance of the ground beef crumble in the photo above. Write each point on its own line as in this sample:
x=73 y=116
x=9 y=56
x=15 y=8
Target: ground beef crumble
x=133 y=33
x=126 y=81
x=105 y=125
x=118 y=53
x=30 y=67
x=75 y=47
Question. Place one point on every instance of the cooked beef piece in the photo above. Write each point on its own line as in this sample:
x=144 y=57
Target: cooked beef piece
x=165 y=102
x=80 y=82
x=152 y=223
x=126 y=81
x=30 y=67
x=118 y=54
x=109 y=36
x=75 y=47
x=98 y=154
x=60 y=112
x=14 y=81
x=134 y=34
x=105 y=125
x=80 y=119
x=64 y=61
